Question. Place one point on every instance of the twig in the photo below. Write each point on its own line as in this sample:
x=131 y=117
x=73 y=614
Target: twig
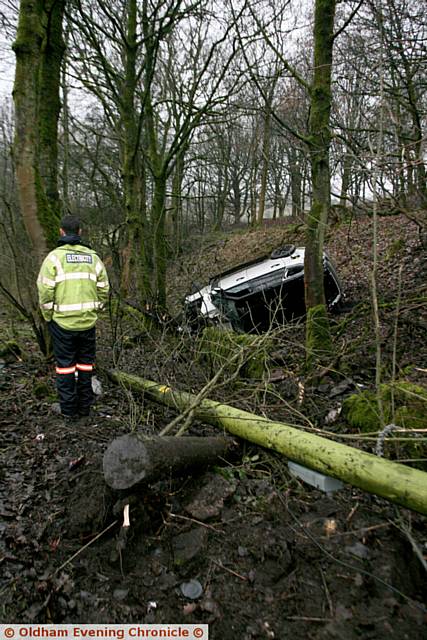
x=308 y=619
x=328 y=595
x=202 y=524
x=394 y=358
x=233 y=573
x=64 y=564
x=188 y=421
x=356 y=532
x=404 y=529
x=352 y=512
x=374 y=272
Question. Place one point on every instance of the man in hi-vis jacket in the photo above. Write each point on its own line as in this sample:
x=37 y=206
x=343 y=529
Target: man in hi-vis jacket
x=73 y=286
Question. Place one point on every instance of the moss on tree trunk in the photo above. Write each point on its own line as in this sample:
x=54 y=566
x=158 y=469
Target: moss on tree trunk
x=39 y=49
x=137 y=263
x=318 y=336
x=49 y=106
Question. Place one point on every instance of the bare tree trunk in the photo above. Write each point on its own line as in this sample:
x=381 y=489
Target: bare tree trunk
x=253 y=178
x=136 y=259
x=49 y=107
x=65 y=131
x=318 y=339
x=159 y=239
x=421 y=176
x=295 y=176
x=283 y=200
x=222 y=199
x=237 y=204
x=39 y=49
x=345 y=180
x=266 y=140
x=176 y=205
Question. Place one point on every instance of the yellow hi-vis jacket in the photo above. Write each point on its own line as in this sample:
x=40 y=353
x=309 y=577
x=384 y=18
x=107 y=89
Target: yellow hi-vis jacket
x=73 y=286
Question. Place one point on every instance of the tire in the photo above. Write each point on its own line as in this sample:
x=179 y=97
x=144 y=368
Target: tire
x=283 y=252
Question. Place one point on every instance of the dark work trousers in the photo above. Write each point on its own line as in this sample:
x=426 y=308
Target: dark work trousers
x=75 y=355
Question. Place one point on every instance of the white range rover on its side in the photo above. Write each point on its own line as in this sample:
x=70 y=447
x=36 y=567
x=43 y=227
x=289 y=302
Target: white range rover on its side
x=259 y=294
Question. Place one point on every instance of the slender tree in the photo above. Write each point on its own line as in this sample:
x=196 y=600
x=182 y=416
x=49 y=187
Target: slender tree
x=318 y=340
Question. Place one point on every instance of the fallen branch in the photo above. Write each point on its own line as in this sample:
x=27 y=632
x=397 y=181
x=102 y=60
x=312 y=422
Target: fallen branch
x=403 y=485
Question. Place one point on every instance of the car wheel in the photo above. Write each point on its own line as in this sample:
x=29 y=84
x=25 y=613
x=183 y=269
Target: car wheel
x=283 y=252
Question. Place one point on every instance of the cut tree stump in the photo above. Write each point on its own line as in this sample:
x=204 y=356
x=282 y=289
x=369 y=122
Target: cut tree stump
x=132 y=459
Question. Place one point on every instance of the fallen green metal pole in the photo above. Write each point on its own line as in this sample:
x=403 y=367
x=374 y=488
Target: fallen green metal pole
x=404 y=485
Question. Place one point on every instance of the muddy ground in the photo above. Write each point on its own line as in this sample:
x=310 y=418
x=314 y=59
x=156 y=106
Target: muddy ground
x=270 y=557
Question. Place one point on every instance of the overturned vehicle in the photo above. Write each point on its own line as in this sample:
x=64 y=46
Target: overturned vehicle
x=259 y=294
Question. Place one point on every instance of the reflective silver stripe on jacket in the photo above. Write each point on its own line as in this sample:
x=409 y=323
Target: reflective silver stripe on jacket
x=79 y=306
x=47 y=305
x=79 y=275
x=101 y=284
x=56 y=261
x=46 y=281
